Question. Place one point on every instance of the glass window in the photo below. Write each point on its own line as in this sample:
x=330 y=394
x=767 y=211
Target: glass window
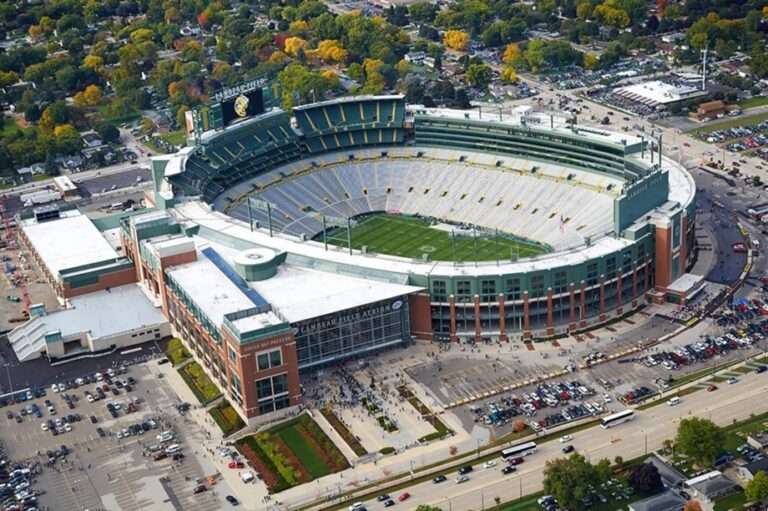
x=235 y=381
x=512 y=289
x=275 y=358
x=232 y=354
x=264 y=388
x=561 y=282
x=537 y=286
x=488 y=290
x=463 y=289
x=280 y=384
x=266 y=407
x=439 y=291
x=282 y=402
x=263 y=361
x=591 y=274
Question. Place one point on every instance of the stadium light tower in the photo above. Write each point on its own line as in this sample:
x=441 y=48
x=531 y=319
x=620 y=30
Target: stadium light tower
x=333 y=221
x=261 y=205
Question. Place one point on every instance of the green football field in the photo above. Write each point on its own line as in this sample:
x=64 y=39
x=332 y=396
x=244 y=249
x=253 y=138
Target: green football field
x=412 y=237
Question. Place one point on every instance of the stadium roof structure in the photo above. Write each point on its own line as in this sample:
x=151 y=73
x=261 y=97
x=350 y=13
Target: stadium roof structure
x=348 y=99
x=657 y=93
x=526 y=117
x=622 y=180
x=71 y=241
x=201 y=214
x=298 y=293
x=216 y=295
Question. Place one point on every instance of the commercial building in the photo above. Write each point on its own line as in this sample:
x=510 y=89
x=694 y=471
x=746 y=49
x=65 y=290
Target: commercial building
x=255 y=320
x=74 y=256
x=232 y=253
x=98 y=322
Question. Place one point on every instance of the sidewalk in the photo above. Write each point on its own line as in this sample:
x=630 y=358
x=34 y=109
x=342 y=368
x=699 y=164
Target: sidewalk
x=251 y=495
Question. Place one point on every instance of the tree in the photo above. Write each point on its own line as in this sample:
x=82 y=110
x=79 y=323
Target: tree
x=54 y=114
x=147 y=125
x=645 y=479
x=91 y=96
x=757 y=489
x=509 y=75
x=424 y=12
x=294 y=44
x=67 y=139
x=590 y=61
x=479 y=75
x=570 y=480
x=425 y=507
x=456 y=39
x=699 y=439
x=108 y=132
x=330 y=50
x=8 y=78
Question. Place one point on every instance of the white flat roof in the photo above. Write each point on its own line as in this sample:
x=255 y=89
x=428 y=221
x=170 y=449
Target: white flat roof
x=68 y=242
x=216 y=295
x=299 y=293
x=685 y=282
x=210 y=289
x=657 y=92
x=106 y=313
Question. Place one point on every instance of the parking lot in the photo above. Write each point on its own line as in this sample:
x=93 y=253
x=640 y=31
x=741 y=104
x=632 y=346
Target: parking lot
x=138 y=453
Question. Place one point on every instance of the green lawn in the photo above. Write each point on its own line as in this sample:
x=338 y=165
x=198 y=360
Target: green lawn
x=736 y=434
x=294 y=452
x=735 y=502
x=199 y=382
x=8 y=127
x=175 y=137
x=117 y=120
x=731 y=123
x=304 y=451
x=753 y=102
x=525 y=504
x=412 y=237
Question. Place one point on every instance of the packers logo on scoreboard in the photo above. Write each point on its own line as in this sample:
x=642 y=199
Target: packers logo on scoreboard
x=241 y=105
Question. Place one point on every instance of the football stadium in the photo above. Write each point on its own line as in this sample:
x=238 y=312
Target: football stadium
x=280 y=242
x=357 y=224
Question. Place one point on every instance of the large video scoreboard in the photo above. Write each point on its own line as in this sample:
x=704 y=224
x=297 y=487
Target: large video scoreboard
x=227 y=106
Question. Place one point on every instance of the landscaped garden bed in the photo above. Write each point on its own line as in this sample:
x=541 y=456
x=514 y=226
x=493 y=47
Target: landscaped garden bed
x=227 y=418
x=199 y=383
x=344 y=432
x=292 y=453
x=176 y=352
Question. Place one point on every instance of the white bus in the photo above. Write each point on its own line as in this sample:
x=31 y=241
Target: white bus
x=517 y=451
x=617 y=418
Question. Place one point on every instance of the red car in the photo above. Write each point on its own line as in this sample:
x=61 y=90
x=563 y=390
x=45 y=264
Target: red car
x=236 y=464
x=404 y=496
x=712 y=388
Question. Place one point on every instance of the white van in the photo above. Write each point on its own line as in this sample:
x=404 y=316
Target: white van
x=674 y=401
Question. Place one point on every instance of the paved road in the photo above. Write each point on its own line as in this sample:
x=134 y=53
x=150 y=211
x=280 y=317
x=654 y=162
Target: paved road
x=646 y=433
